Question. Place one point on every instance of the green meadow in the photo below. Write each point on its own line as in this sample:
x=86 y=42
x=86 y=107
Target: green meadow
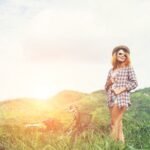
x=16 y=113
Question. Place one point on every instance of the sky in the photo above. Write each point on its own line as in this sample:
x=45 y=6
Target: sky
x=47 y=46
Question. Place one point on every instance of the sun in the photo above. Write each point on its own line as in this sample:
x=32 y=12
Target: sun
x=44 y=93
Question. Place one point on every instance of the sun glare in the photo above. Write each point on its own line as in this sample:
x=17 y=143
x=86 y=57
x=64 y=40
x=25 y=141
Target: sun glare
x=44 y=93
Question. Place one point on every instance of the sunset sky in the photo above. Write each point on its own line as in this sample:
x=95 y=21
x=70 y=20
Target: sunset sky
x=47 y=46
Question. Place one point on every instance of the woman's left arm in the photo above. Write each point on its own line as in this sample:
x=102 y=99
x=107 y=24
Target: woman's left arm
x=132 y=81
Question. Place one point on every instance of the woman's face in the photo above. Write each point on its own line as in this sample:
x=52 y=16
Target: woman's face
x=121 y=56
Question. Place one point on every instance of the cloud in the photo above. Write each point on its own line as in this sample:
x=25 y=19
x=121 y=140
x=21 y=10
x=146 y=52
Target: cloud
x=67 y=44
x=61 y=32
x=86 y=32
x=76 y=30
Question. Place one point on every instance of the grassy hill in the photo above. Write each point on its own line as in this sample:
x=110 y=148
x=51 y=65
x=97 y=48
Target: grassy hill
x=15 y=113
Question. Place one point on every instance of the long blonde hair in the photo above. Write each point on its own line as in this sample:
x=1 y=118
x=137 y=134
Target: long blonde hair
x=115 y=63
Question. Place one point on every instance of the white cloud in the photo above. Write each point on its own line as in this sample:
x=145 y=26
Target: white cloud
x=37 y=34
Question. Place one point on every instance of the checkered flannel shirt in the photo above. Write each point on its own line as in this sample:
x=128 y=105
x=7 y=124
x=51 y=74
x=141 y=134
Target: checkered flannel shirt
x=125 y=78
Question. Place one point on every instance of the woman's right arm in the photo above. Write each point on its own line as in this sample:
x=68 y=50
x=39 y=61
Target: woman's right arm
x=108 y=81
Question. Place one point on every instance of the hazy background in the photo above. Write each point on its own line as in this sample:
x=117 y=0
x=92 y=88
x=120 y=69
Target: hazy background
x=50 y=45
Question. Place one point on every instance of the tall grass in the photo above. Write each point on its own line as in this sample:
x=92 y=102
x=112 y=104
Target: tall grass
x=14 y=136
x=17 y=138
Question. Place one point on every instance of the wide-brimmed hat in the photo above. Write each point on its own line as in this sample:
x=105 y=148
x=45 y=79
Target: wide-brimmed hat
x=123 y=47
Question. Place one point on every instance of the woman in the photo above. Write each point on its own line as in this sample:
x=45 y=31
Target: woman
x=120 y=81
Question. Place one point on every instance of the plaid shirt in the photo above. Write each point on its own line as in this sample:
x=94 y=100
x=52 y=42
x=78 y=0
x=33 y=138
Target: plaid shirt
x=124 y=78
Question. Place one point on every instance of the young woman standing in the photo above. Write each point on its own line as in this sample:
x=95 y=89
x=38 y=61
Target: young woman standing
x=121 y=80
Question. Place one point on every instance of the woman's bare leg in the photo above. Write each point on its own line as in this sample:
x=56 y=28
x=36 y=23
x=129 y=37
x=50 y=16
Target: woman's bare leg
x=120 y=125
x=116 y=122
x=114 y=115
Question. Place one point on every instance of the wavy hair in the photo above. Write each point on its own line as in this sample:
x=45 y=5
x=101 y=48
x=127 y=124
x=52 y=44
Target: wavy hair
x=115 y=63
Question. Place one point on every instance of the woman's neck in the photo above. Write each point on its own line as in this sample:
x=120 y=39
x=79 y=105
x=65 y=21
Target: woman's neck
x=120 y=65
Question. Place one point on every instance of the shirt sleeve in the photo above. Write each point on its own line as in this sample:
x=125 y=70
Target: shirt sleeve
x=107 y=80
x=132 y=81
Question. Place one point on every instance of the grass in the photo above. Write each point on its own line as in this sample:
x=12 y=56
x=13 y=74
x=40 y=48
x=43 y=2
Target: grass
x=17 y=138
x=14 y=114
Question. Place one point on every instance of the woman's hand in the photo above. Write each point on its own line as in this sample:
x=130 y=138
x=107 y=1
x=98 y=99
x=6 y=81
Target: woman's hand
x=118 y=91
x=112 y=81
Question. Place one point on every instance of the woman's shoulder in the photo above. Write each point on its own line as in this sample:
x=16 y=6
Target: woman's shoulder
x=110 y=70
x=128 y=67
